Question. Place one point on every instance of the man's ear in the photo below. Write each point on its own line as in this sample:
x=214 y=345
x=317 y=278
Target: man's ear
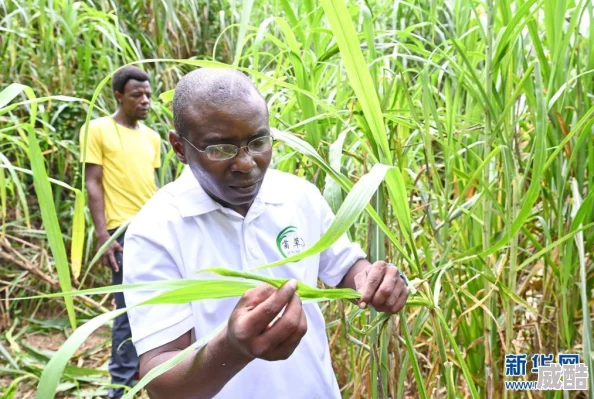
x=118 y=96
x=177 y=145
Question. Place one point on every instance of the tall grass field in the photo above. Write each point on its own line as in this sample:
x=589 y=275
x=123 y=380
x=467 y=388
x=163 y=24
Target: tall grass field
x=452 y=137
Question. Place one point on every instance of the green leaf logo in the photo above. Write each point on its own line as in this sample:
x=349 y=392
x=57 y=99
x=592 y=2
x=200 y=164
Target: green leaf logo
x=289 y=242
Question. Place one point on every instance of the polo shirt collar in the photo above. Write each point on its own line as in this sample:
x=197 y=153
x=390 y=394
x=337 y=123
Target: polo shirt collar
x=192 y=200
x=272 y=190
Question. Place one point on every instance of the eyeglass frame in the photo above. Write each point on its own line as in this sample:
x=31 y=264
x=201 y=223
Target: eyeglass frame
x=238 y=147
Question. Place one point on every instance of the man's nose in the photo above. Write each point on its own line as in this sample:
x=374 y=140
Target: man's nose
x=146 y=99
x=243 y=162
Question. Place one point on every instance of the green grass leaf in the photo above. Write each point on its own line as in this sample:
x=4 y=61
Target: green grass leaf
x=172 y=362
x=194 y=290
x=344 y=183
x=50 y=378
x=49 y=217
x=10 y=93
x=538 y=167
x=358 y=72
x=246 y=11
x=78 y=234
x=354 y=203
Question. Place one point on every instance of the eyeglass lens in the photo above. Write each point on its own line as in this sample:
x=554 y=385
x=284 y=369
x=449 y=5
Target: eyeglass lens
x=222 y=152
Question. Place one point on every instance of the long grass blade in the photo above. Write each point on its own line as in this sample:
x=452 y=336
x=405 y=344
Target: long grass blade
x=50 y=220
x=359 y=76
x=344 y=183
x=78 y=234
x=354 y=203
x=588 y=333
x=196 y=290
x=538 y=167
x=245 y=18
x=171 y=363
x=10 y=93
x=52 y=373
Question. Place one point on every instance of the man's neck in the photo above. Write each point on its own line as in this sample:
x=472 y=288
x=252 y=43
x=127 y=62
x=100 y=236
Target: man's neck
x=241 y=209
x=122 y=119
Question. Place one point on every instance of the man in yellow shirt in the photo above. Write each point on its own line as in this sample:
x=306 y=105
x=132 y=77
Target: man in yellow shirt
x=121 y=157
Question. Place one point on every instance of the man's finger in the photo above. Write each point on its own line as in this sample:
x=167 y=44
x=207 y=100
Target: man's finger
x=288 y=346
x=391 y=301
x=113 y=262
x=117 y=247
x=106 y=260
x=255 y=296
x=374 y=279
x=386 y=288
x=286 y=325
x=400 y=302
x=265 y=312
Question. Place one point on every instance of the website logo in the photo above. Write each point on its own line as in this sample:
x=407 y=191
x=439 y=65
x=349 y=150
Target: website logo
x=289 y=241
x=567 y=374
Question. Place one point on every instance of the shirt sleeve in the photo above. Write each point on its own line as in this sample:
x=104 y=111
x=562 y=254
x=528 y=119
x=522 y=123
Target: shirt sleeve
x=337 y=259
x=157 y=144
x=94 y=145
x=147 y=259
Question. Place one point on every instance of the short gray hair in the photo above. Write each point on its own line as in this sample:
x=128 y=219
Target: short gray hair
x=208 y=87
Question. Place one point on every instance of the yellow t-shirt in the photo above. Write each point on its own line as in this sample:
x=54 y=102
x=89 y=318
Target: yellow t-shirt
x=129 y=158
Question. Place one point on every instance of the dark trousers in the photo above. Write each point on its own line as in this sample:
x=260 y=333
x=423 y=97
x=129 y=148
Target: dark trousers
x=123 y=365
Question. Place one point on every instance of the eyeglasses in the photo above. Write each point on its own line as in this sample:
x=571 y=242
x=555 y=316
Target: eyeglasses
x=223 y=152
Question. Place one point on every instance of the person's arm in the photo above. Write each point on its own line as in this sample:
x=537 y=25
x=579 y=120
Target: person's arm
x=380 y=285
x=249 y=334
x=348 y=281
x=157 y=158
x=93 y=180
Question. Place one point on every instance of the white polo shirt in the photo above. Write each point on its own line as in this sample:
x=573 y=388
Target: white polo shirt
x=181 y=230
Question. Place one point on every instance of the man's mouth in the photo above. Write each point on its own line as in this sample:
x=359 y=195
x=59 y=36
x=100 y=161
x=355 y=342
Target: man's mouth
x=245 y=188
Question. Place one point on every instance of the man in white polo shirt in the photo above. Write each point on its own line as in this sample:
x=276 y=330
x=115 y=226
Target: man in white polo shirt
x=228 y=210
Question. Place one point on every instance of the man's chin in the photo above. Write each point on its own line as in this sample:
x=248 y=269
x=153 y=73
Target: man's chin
x=241 y=197
x=244 y=193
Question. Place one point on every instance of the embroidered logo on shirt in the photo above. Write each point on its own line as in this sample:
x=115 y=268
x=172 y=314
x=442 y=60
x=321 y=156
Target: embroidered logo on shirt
x=289 y=242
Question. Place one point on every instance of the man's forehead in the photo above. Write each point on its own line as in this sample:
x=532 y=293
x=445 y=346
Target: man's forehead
x=133 y=84
x=204 y=111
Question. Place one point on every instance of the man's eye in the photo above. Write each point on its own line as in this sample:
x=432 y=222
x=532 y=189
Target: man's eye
x=260 y=145
x=222 y=151
x=214 y=151
x=257 y=145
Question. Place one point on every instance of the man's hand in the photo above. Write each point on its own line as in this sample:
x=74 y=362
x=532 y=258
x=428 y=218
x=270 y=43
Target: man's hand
x=382 y=287
x=94 y=183
x=254 y=330
x=109 y=258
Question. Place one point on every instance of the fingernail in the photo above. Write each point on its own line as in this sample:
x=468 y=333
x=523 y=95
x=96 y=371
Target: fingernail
x=293 y=284
x=362 y=305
